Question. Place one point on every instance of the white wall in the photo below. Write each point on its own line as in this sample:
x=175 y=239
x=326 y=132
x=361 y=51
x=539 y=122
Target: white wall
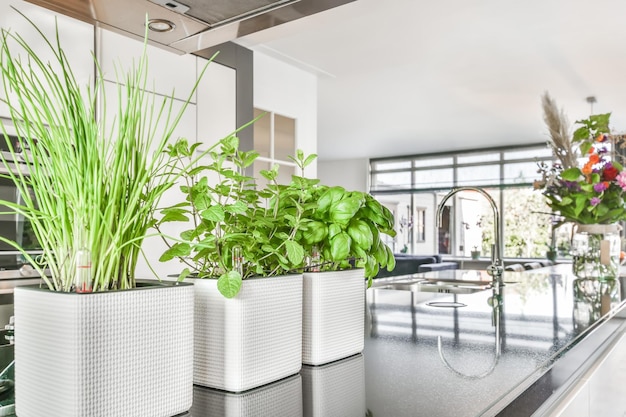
x=351 y=174
x=289 y=91
x=76 y=38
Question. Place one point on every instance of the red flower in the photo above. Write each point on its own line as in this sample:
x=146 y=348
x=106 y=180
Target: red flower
x=609 y=173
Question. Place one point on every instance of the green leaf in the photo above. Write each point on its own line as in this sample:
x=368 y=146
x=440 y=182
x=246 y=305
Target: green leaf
x=343 y=211
x=309 y=159
x=188 y=234
x=571 y=174
x=340 y=246
x=391 y=259
x=213 y=213
x=174 y=215
x=269 y=174
x=361 y=234
x=229 y=284
x=201 y=201
x=380 y=253
x=580 y=134
x=371 y=269
x=315 y=232
x=177 y=250
x=239 y=207
x=584 y=147
x=229 y=144
x=601 y=122
x=295 y=252
x=333 y=230
x=329 y=197
x=580 y=204
x=184 y=274
x=248 y=158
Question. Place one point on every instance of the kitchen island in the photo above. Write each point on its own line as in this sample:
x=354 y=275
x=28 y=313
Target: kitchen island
x=502 y=352
x=434 y=349
x=468 y=350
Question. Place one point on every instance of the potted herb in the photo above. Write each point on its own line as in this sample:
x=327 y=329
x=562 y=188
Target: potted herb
x=90 y=336
x=551 y=253
x=242 y=256
x=475 y=253
x=341 y=233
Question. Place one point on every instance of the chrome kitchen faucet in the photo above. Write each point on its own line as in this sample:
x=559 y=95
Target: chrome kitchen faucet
x=497 y=265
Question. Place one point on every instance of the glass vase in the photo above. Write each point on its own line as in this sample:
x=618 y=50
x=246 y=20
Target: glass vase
x=593 y=299
x=595 y=251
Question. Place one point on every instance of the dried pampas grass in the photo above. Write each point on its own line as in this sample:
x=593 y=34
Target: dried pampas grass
x=558 y=127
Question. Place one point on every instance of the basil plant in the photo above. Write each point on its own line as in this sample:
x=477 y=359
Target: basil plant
x=338 y=229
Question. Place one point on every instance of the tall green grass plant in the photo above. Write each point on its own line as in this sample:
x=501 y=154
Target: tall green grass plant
x=84 y=185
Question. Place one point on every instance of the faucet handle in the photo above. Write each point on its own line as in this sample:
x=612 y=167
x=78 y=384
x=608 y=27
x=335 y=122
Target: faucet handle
x=495 y=269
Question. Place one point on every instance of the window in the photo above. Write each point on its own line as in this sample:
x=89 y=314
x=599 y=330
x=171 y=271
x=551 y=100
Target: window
x=420 y=224
x=275 y=141
x=467 y=220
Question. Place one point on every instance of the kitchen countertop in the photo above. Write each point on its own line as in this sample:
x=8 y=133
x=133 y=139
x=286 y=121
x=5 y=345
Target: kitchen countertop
x=472 y=360
x=495 y=352
x=503 y=352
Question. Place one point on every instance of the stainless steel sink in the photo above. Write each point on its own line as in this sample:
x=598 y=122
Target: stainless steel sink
x=432 y=285
x=462 y=287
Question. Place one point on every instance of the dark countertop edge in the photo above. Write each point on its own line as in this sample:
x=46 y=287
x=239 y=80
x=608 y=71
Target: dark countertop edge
x=565 y=371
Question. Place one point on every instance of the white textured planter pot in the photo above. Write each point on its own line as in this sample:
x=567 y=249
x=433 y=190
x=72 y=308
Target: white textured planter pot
x=109 y=354
x=279 y=399
x=335 y=389
x=250 y=340
x=333 y=315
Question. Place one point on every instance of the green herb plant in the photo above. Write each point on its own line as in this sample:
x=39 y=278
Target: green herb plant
x=237 y=230
x=84 y=186
x=231 y=233
x=338 y=229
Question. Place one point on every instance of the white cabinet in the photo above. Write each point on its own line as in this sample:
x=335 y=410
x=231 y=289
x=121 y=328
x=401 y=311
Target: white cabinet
x=602 y=390
x=607 y=386
x=168 y=73
x=216 y=102
x=76 y=37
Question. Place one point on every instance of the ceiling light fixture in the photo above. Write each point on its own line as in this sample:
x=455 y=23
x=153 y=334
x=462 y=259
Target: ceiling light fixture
x=161 y=25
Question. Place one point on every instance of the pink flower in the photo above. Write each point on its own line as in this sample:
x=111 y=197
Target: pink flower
x=595 y=201
x=621 y=180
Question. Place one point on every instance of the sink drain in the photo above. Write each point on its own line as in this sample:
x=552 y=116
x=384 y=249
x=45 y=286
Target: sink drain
x=447 y=304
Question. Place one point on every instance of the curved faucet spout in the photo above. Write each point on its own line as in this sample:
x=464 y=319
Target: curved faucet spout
x=496 y=304
x=497 y=265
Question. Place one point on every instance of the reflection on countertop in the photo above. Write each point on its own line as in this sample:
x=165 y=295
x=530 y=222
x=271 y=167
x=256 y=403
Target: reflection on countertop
x=496 y=342
x=441 y=354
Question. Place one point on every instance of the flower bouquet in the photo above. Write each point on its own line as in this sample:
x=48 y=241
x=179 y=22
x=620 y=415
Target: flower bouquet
x=586 y=185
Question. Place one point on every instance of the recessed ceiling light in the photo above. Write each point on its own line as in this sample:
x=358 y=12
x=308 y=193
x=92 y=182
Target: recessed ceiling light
x=161 y=25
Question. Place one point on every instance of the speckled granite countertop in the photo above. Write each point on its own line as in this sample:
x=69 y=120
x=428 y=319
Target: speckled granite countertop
x=486 y=353
x=494 y=352
x=482 y=351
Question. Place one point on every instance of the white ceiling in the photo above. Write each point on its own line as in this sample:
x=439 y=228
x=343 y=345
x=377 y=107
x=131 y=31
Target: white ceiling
x=420 y=76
